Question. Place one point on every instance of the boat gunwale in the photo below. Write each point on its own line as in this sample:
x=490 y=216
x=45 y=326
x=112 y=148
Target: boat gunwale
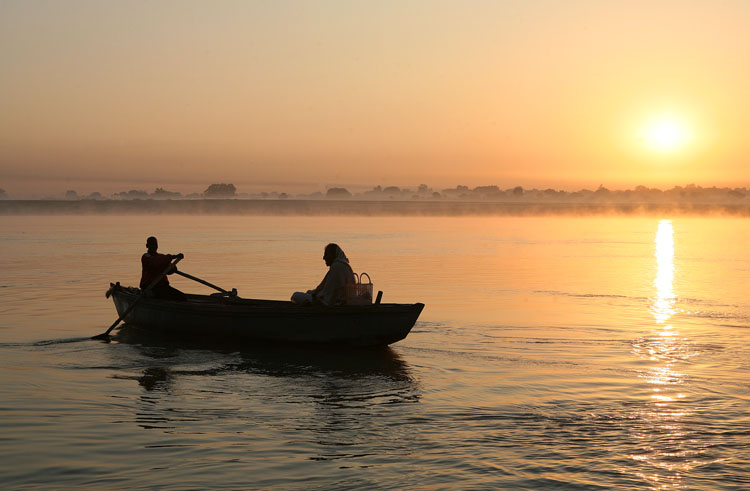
x=219 y=305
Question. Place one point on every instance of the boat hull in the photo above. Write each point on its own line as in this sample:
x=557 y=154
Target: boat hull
x=231 y=319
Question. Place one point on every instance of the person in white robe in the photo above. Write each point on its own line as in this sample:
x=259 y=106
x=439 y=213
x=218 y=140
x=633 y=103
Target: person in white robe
x=332 y=290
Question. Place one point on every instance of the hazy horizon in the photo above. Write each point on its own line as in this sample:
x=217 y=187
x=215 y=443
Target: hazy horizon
x=58 y=189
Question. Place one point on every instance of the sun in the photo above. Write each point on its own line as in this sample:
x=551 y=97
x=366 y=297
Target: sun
x=665 y=134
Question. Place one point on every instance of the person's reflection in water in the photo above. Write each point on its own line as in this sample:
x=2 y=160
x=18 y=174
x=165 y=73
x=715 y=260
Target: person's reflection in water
x=152 y=265
x=154 y=378
x=332 y=290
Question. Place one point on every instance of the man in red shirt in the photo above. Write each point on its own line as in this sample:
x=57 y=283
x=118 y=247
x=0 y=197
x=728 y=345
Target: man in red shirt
x=153 y=264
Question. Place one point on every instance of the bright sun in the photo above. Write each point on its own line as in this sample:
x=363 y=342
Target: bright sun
x=665 y=134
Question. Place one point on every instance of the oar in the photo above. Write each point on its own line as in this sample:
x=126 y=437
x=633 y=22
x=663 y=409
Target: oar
x=204 y=282
x=105 y=335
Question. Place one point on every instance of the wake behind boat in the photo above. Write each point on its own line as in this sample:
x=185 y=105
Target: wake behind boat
x=229 y=318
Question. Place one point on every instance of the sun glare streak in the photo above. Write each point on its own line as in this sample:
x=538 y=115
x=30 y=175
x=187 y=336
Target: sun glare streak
x=664 y=412
x=663 y=307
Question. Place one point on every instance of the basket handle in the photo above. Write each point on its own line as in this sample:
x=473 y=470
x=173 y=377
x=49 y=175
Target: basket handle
x=361 y=276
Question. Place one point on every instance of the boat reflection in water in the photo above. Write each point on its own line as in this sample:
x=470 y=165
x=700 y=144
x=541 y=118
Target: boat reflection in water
x=272 y=359
x=211 y=392
x=662 y=439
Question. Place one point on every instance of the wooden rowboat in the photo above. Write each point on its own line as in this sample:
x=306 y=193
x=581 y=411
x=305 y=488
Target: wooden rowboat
x=222 y=318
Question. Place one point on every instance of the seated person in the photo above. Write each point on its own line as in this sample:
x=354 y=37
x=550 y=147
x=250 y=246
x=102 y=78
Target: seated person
x=332 y=290
x=153 y=264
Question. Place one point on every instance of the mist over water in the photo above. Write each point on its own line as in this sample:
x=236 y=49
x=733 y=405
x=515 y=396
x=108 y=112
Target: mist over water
x=375 y=208
x=554 y=351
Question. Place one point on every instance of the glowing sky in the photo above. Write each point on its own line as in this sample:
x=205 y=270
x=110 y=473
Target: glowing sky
x=276 y=94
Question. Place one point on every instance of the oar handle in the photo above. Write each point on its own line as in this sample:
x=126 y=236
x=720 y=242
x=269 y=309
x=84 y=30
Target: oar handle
x=203 y=282
x=148 y=288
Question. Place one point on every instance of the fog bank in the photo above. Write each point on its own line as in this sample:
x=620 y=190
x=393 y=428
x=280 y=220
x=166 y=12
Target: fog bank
x=355 y=208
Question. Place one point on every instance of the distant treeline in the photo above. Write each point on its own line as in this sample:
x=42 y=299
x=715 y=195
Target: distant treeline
x=356 y=207
x=641 y=194
x=213 y=191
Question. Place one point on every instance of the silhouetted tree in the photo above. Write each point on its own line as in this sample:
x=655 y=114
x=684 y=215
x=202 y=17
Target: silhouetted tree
x=161 y=193
x=3 y=194
x=487 y=191
x=220 y=191
x=70 y=194
x=602 y=191
x=518 y=191
x=376 y=191
x=338 y=193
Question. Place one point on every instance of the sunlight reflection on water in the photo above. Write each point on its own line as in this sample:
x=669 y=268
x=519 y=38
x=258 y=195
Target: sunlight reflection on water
x=663 y=307
x=667 y=445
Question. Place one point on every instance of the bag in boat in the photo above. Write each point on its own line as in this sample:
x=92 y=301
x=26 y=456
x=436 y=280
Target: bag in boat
x=359 y=293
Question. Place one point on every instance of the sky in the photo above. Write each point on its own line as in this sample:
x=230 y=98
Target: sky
x=303 y=95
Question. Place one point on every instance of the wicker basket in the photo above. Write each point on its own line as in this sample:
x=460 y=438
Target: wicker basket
x=359 y=293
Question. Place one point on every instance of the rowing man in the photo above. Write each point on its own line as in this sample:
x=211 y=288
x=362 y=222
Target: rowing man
x=153 y=264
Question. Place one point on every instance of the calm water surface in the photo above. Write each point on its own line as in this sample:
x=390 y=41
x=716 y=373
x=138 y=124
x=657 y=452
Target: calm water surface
x=564 y=352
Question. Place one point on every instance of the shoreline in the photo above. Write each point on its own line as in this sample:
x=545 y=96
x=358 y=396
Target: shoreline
x=356 y=208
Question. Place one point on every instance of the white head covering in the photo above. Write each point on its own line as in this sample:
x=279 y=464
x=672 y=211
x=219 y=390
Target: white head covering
x=340 y=256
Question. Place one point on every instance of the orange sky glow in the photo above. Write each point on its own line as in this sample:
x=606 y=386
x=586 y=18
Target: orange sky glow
x=106 y=95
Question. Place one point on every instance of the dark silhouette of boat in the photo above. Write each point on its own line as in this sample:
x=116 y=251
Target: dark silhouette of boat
x=230 y=319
